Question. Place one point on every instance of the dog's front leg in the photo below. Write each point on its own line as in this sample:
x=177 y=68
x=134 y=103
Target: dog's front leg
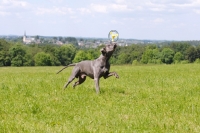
x=97 y=72
x=111 y=74
x=96 y=80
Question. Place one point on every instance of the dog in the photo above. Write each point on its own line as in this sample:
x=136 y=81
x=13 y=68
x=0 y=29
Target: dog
x=94 y=69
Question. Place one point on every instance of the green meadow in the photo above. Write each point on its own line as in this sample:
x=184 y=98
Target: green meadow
x=150 y=99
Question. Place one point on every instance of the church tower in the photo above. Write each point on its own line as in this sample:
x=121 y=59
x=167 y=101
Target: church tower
x=24 y=37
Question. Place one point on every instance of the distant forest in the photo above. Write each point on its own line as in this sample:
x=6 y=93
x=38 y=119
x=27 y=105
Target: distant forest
x=18 y=54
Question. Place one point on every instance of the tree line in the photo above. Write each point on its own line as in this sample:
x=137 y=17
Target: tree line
x=17 y=54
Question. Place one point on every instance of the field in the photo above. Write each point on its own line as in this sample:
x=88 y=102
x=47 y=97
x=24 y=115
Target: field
x=161 y=98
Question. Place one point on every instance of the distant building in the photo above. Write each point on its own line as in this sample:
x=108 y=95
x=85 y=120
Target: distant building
x=28 y=40
x=80 y=43
x=59 y=43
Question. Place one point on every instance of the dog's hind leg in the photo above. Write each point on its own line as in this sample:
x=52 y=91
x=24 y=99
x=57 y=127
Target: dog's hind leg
x=82 y=78
x=74 y=74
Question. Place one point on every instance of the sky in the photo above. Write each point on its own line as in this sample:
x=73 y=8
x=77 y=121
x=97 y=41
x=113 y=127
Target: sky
x=133 y=19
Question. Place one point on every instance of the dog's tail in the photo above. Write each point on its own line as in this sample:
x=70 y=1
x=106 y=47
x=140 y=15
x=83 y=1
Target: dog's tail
x=66 y=67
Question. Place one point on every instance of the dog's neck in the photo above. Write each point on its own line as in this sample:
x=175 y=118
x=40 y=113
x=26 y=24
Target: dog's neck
x=104 y=57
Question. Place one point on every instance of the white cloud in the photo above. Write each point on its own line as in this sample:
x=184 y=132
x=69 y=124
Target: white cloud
x=76 y=19
x=179 y=25
x=111 y=7
x=116 y=22
x=14 y=3
x=128 y=19
x=4 y=13
x=158 y=20
x=197 y=11
x=191 y=3
x=119 y=7
x=171 y=6
x=56 y=1
x=105 y=23
x=99 y=8
x=157 y=9
x=73 y=17
x=84 y=10
x=155 y=6
x=12 y=7
x=120 y=1
x=54 y=10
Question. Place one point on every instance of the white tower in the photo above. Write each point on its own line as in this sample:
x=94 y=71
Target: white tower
x=24 y=37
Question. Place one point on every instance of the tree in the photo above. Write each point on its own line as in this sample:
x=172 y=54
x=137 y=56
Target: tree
x=5 y=59
x=151 y=55
x=55 y=39
x=42 y=59
x=167 y=55
x=147 y=56
x=29 y=61
x=52 y=50
x=65 y=54
x=92 y=54
x=123 y=58
x=191 y=54
x=37 y=37
x=60 y=38
x=72 y=40
x=80 y=56
x=136 y=55
x=136 y=52
x=17 y=61
x=198 y=52
x=17 y=53
x=179 y=47
x=178 y=57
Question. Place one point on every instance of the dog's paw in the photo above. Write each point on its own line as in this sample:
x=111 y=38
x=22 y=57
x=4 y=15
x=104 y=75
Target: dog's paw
x=116 y=75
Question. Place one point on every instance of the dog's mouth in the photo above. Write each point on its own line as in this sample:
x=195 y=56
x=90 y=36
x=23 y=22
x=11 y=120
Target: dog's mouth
x=115 y=45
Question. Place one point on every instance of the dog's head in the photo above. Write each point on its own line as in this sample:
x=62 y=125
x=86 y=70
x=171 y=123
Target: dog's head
x=109 y=49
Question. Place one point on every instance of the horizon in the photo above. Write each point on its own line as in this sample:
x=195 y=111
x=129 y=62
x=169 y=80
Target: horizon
x=141 y=20
x=97 y=37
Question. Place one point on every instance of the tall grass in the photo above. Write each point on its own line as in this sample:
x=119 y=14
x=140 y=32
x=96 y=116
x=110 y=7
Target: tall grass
x=163 y=98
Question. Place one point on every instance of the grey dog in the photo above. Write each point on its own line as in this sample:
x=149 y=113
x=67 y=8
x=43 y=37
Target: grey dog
x=94 y=69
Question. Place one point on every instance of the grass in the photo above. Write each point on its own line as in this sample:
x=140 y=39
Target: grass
x=162 y=98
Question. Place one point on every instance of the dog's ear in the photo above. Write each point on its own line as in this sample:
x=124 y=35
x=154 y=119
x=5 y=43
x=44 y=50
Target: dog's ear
x=103 y=51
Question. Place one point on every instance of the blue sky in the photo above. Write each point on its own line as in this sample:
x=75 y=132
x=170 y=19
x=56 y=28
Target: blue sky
x=136 y=19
